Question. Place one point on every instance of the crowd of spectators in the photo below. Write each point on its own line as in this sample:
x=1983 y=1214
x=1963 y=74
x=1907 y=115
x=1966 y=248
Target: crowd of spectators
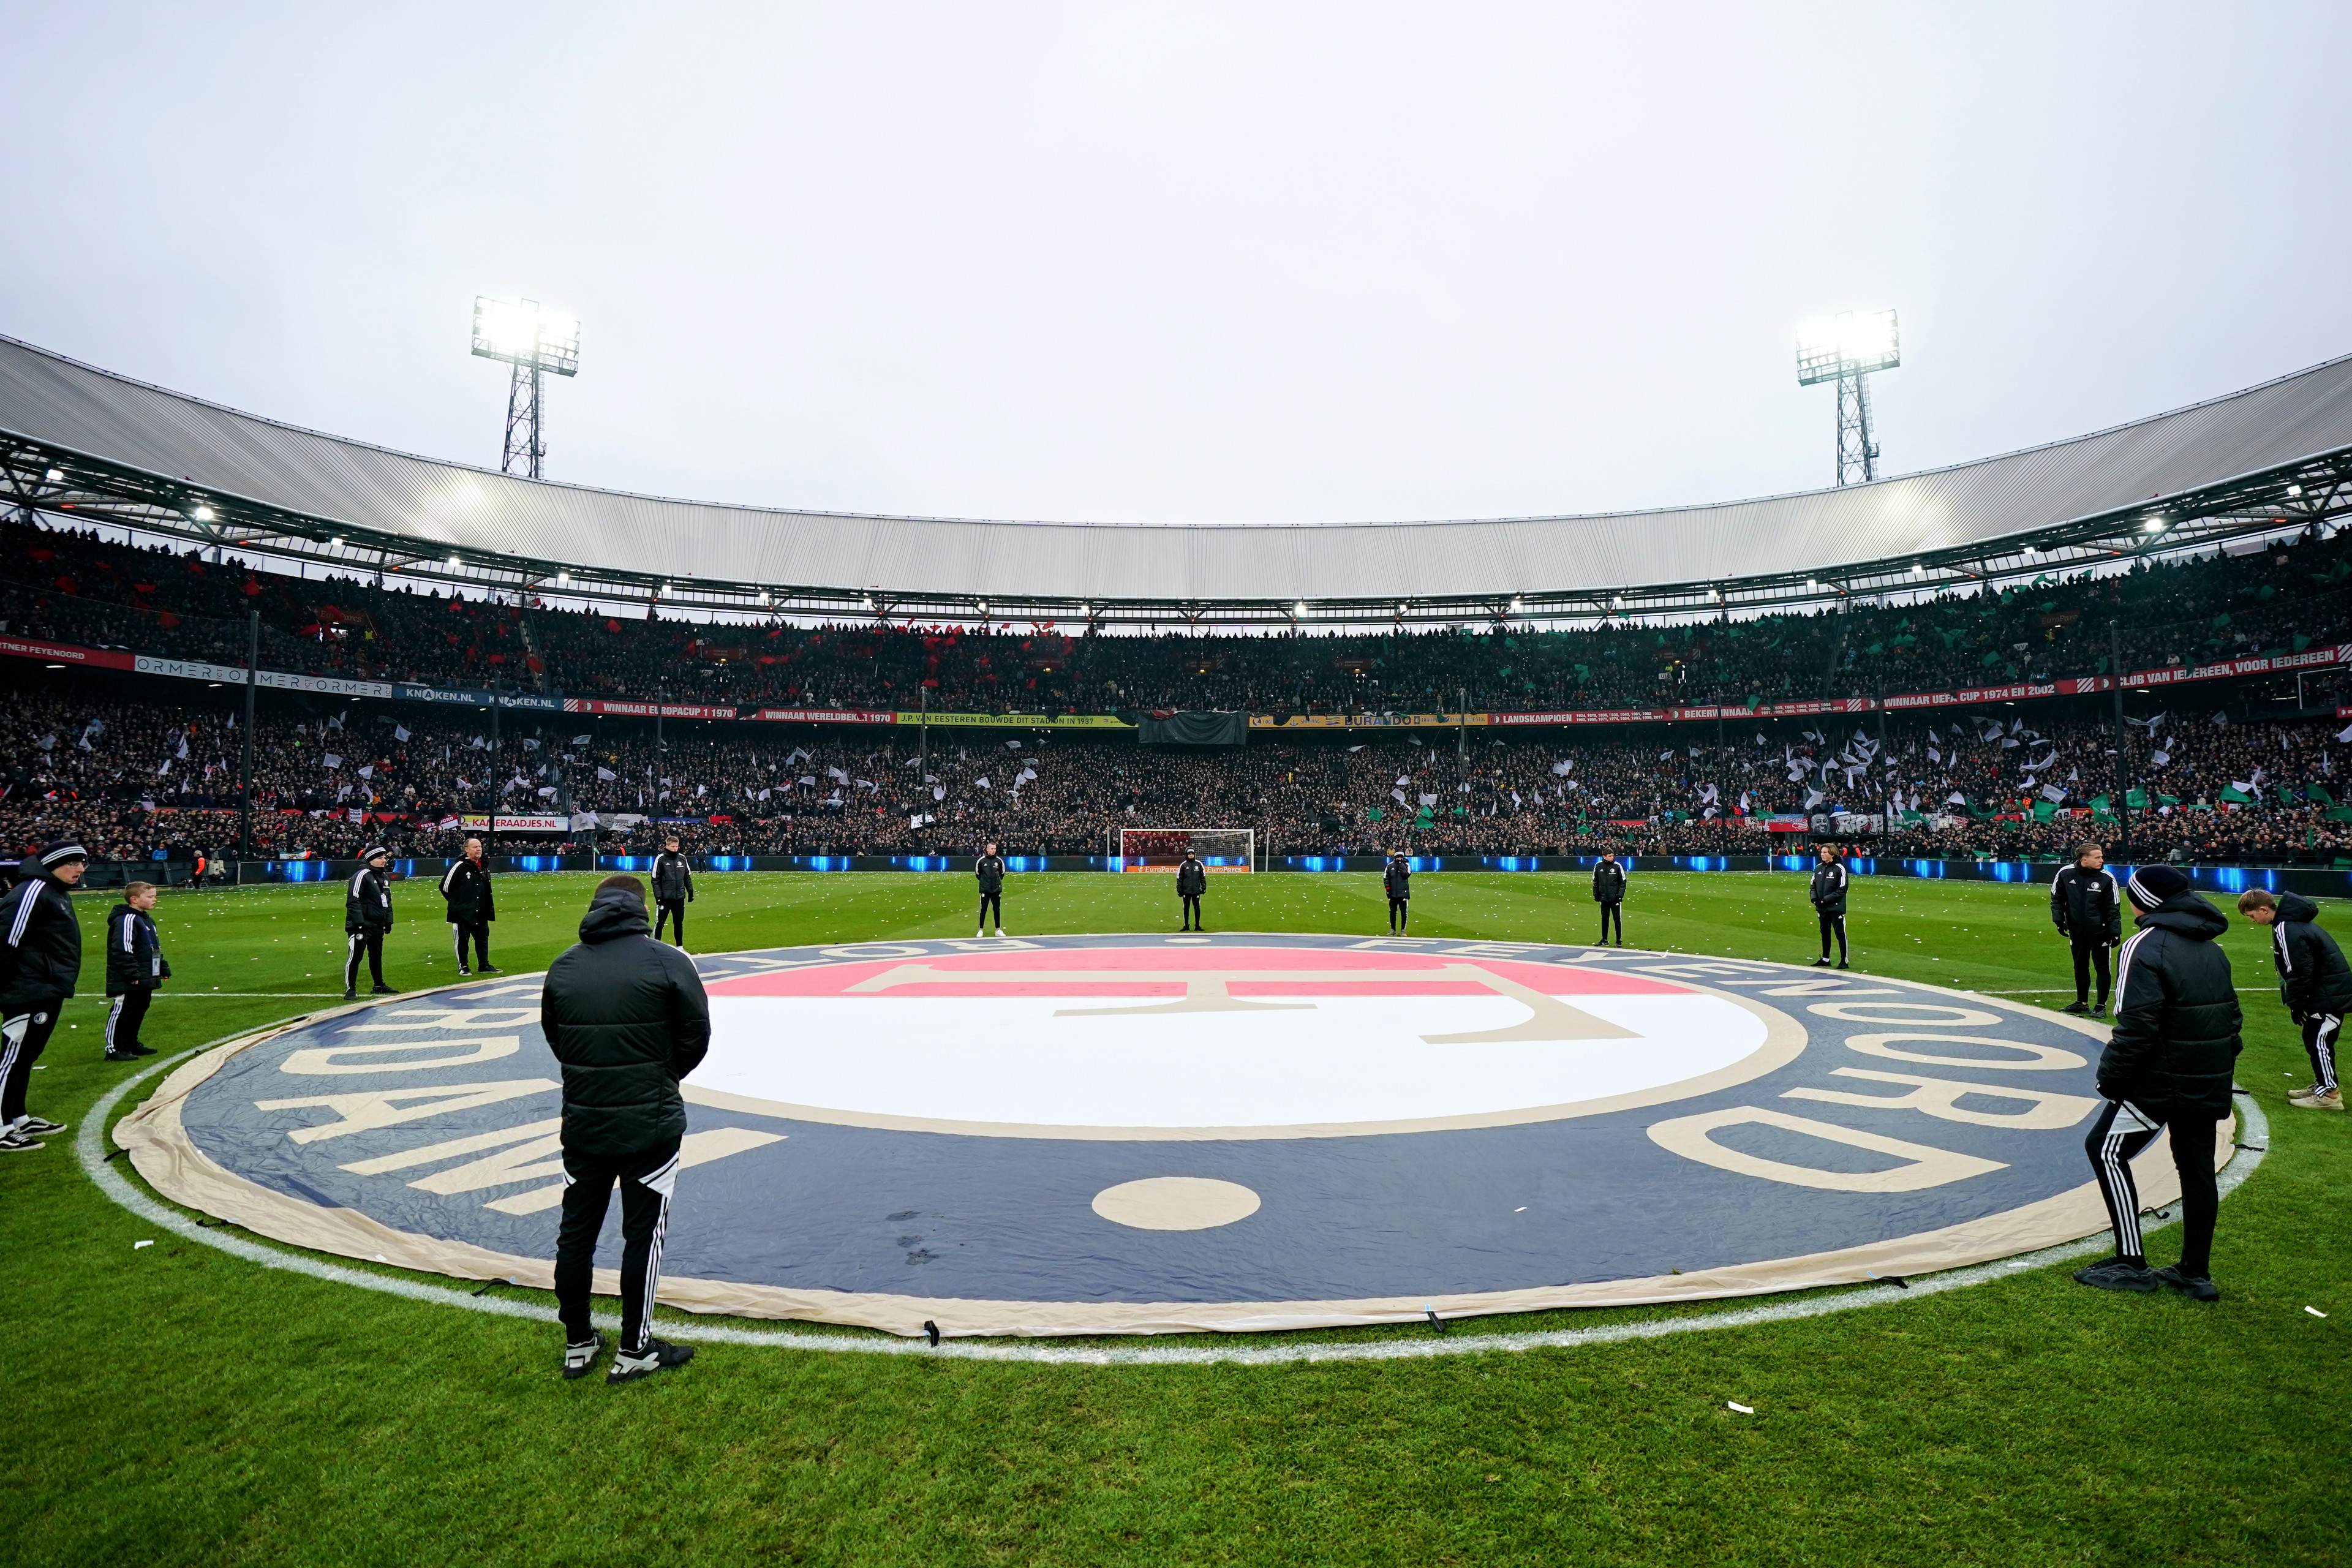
x=77 y=586
x=133 y=776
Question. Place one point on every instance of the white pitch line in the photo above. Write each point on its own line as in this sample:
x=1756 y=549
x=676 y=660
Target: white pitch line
x=89 y=1149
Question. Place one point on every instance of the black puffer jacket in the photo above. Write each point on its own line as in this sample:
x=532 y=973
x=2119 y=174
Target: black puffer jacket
x=1192 y=878
x=40 y=944
x=134 y=954
x=2313 y=975
x=1828 y=890
x=1609 y=882
x=2175 y=1041
x=1397 y=881
x=628 y=1017
x=466 y=888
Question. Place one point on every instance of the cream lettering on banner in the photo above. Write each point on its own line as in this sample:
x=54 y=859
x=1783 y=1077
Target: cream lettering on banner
x=1927 y=1167
x=389 y=1107
x=319 y=1061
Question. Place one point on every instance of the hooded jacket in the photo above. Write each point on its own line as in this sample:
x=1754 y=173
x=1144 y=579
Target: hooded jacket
x=2176 y=1037
x=1192 y=878
x=40 y=943
x=2313 y=975
x=1609 y=882
x=134 y=954
x=628 y=1017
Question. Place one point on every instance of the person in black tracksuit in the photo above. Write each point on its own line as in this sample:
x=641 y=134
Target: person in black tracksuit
x=40 y=963
x=1191 y=881
x=629 y=1018
x=367 y=915
x=1609 y=892
x=2314 y=983
x=2168 y=1064
x=135 y=968
x=1828 y=893
x=1396 y=880
x=673 y=891
x=465 y=889
x=2089 y=907
x=989 y=871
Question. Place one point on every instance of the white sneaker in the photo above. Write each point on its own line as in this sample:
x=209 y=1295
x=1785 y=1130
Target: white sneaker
x=981 y=932
x=999 y=930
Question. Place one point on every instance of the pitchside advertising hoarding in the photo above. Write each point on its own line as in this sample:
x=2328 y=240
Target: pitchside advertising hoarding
x=337 y=686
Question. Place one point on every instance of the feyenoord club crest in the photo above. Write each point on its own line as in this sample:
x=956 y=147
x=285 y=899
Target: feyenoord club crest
x=1151 y=1133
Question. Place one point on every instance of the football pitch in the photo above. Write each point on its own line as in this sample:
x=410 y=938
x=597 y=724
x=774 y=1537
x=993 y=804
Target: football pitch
x=172 y=1403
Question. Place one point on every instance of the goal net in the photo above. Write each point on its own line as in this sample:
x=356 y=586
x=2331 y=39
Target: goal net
x=1164 y=848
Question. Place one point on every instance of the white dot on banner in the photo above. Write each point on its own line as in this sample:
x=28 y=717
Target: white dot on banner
x=1175 y=1202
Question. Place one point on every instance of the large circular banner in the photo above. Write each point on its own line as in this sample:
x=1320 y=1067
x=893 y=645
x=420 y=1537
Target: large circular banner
x=1135 y=1134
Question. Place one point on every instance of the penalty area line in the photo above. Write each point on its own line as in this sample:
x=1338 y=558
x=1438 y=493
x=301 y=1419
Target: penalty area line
x=89 y=1149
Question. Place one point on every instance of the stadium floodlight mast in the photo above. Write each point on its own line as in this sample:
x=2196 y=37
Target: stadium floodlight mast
x=536 y=342
x=1846 y=349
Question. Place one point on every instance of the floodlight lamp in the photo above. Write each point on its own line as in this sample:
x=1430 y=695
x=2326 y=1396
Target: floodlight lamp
x=1811 y=585
x=1617 y=603
x=2154 y=525
x=336 y=542
x=1300 y=609
x=201 y=514
x=1918 y=570
x=54 y=475
x=1402 y=608
x=453 y=561
x=1847 y=344
x=1515 y=604
x=2291 y=490
x=563 y=578
x=519 y=333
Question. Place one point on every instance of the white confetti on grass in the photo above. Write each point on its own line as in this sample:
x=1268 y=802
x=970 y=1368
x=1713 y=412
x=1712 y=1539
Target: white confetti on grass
x=2315 y=1311
x=136 y=1245
x=1743 y=1409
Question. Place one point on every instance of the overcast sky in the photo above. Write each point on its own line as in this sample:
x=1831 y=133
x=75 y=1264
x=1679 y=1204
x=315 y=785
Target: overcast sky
x=1188 y=263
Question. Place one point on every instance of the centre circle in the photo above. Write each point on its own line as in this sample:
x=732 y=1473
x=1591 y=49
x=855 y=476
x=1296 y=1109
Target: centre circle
x=1175 y=1202
x=1237 y=1041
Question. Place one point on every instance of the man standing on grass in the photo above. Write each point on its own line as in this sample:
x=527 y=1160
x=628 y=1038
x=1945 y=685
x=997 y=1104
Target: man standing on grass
x=134 y=969
x=1191 y=881
x=1397 y=882
x=40 y=960
x=2088 y=910
x=628 y=1017
x=367 y=917
x=1828 y=893
x=2168 y=1065
x=1609 y=892
x=2314 y=983
x=989 y=871
x=466 y=888
x=673 y=891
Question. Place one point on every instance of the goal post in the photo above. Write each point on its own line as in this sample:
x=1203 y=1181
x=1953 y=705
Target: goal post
x=1164 y=848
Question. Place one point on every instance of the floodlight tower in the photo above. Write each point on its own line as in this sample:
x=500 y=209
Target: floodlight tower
x=536 y=342
x=1845 y=348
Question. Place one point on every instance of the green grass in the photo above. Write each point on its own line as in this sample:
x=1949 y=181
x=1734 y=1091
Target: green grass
x=173 y=1404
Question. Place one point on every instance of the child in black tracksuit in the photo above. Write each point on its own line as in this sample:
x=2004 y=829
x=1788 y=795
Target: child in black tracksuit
x=1609 y=892
x=2314 y=983
x=1397 y=882
x=135 y=968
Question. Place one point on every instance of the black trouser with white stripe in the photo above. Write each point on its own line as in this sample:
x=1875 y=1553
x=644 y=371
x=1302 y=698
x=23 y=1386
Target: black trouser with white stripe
x=2089 y=951
x=358 y=945
x=1612 y=910
x=1191 y=910
x=123 y=1018
x=2319 y=1032
x=2121 y=1131
x=1832 y=925
x=671 y=914
x=477 y=932
x=24 y=1034
x=647 y=1178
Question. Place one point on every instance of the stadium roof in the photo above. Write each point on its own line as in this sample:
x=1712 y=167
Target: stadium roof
x=129 y=452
